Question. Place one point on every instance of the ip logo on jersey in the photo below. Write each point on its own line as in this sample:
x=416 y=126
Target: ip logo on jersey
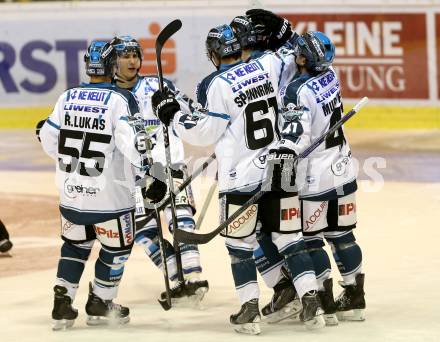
x=347 y=209
x=289 y=214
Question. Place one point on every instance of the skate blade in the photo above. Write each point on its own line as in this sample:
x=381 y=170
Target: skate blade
x=317 y=322
x=108 y=321
x=62 y=324
x=357 y=315
x=331 y=319
x=248 y=328
x=290 y=310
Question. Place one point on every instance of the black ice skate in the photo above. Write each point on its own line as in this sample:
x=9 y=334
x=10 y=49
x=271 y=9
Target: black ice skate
x=247 y=320
x=350 y=304
x=102 y=312
x=312 y=313
x=328 y=303
x=284 y=304
x=186 y=293
x=5 y=246
x=63 y=314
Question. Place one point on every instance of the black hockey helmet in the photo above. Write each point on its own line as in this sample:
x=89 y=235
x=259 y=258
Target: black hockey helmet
x=222 y=41
x=318 y=50
x=124 y=44
x=244 y=30
x=100 y=59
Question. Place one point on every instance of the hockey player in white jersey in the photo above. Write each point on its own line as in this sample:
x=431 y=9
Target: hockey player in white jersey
x=313 y=103
x=98 y=141
x=256 y=37
x=239 y=117
x=127 y=76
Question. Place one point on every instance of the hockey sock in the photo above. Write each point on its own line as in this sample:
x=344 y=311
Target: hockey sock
x=348 y=257
x=71 y=265
x=299 y=263
x=268 y=260
x=109 y=268
x=244 y=273
x=320 y=259
x=190 y=253
x=148 y=239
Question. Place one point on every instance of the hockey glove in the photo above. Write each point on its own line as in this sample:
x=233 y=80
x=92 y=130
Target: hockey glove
x=155 y=192
x=281 y=162
x=164 y=105
x=275 y=27
x=155 y=188
x=38 y=128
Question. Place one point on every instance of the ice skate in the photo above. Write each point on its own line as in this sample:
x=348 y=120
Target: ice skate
x=312 y=313
x=5 y=247
x=350 y=304
x=105 y=312
x=246 y=321
x=328 y=303
x=187 y=292
x=284 y=304
x=63 y=314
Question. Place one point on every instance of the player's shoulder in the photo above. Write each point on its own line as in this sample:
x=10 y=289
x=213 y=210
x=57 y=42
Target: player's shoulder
x=204 y=85
x=152 y=83
x=293 y=89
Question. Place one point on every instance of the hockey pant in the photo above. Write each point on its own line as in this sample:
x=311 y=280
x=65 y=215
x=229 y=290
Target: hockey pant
x=116 y=237
x=147 y=238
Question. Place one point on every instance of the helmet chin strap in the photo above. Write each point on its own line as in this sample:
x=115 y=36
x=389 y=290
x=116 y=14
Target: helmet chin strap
x=125 y=83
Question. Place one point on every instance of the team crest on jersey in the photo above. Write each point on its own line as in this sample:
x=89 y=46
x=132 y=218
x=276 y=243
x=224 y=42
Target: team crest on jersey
x=339 y=167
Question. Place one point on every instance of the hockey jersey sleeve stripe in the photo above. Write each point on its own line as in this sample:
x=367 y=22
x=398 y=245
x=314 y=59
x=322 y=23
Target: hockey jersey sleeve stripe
x=53 y=124
x=108 y=97
x=220 y=115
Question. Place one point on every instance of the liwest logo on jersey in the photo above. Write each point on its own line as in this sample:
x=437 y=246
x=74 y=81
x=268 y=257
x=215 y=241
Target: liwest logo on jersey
x=45 y=62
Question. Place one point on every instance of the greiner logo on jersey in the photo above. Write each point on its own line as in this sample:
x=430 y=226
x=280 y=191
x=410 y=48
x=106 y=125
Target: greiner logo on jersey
x=72 y=191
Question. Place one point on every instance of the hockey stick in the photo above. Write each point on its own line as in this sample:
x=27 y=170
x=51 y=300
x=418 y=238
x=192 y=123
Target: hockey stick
x=163 y=36
x=182 y=186
x=206 y=204
x=194 y=238
x=166 y=304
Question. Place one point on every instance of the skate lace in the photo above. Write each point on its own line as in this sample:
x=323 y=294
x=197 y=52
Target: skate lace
x=113 y=306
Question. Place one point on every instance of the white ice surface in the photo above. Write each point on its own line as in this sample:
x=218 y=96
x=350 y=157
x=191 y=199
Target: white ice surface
x=399 y=234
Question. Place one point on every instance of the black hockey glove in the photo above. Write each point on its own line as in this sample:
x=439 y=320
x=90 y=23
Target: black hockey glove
x=38 y=128
x=155 y=192
x=164 y=105
x=281 y=162
x=275 y=27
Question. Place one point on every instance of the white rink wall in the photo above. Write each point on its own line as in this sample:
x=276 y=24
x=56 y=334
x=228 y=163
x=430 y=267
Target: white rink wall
x=378 y=43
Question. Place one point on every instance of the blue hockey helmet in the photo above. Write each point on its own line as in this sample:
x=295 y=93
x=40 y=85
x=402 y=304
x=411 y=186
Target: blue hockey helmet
x=100 y=59
x=244 y=30
x=222 y=41
x=124 y=44
x=318 y=50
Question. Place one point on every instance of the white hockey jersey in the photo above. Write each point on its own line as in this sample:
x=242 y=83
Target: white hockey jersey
x=240 y=117
x=329 y=172
x=144 y=90
x=93 y=135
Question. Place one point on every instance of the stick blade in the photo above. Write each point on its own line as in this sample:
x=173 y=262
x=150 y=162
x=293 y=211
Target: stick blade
x=167 y=32
x=192 y=238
